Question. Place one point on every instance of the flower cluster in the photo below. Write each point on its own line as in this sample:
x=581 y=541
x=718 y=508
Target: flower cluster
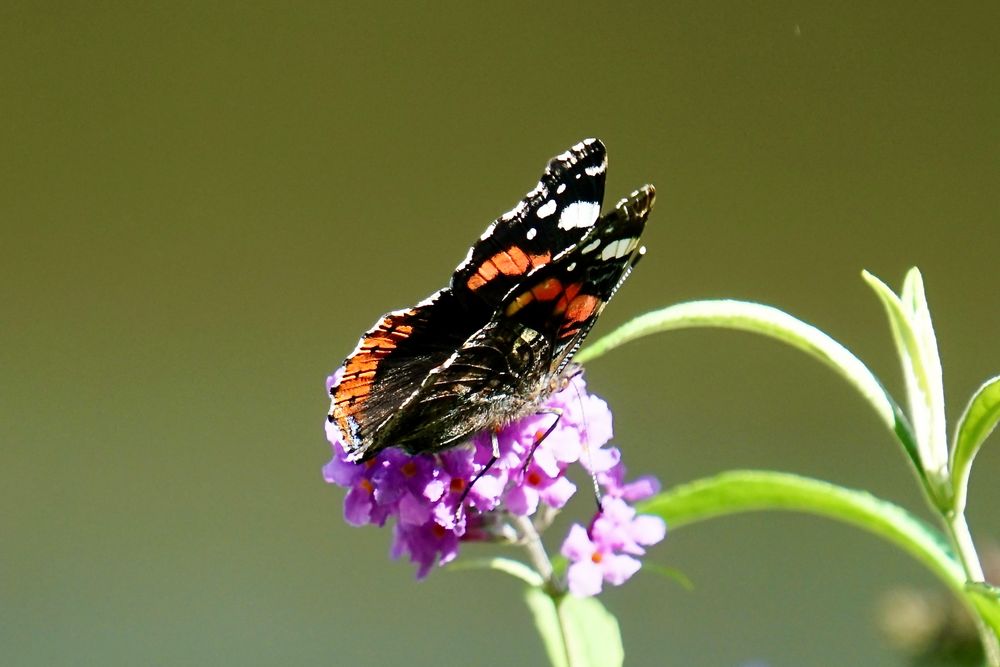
x=423 y=492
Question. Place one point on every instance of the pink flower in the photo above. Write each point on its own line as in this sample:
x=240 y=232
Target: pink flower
x=422 y=493
x=607 y=552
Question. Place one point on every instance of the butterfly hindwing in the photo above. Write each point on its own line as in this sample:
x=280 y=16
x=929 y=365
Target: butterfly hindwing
x=563 y=299
x=389 y=363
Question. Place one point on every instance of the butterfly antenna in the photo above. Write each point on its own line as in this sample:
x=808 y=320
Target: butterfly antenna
x=588 y=453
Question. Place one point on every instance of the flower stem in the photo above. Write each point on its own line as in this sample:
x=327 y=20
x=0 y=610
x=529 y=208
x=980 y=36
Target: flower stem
x=536 y=550
x=543 y=565
x=961 y=538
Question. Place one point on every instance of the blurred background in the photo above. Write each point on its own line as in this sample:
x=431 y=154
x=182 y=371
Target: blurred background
x=203 y=205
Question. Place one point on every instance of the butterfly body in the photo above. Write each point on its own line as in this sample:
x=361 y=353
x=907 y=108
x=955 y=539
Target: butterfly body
x=487 y=349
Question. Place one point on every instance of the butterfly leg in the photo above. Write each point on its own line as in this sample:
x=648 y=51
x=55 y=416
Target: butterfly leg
x=527 y=461
x=538 y=440
x=494 y=457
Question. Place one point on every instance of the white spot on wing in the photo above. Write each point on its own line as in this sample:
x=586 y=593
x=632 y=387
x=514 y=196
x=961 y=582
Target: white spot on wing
x=532 y=233
x=579 y=214
x=618 y=249
x=594 y=171
x=572 y=265
x=426 y=302
x=547 y=209
x=590 y=247
x=489 y=232
x=561 y=189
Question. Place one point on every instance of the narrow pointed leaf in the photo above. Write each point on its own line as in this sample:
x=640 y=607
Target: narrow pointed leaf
x=514 y=568
x=774 y=323
x=915 y=300
x=975 y=425
x=577 y=632
x=918 y=384
x=750 y=490
x=671 y=573
x=592 y=633
x=987 y=601
x=543 y=610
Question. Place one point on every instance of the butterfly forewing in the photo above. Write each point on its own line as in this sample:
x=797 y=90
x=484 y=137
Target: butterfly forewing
x=561 y=209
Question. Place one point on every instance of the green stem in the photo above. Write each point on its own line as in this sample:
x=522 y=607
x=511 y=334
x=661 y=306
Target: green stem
x=965 y=548
x=536 y=550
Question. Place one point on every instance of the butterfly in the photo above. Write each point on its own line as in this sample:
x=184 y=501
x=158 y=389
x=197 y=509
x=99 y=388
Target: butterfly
x=487 y=349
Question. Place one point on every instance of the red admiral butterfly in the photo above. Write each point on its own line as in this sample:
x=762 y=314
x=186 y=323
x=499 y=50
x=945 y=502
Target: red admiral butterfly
x=485 y=350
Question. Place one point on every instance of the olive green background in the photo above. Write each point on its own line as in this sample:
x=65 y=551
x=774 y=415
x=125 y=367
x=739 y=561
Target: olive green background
x=204 y=204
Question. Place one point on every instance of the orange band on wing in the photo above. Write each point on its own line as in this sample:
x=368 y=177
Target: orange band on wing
x=486 y=272
x=510 y=262
x=548 y=289
x=579 y=310
x=567 y=296
x=522 y=300
x=360 y=369
x=538 y=260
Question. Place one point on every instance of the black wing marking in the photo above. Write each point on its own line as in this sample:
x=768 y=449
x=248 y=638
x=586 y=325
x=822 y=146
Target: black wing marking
x=551 y=218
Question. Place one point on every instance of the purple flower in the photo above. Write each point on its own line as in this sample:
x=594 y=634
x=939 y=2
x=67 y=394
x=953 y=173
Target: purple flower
x=426 y=544
x=593 y=562
x=613 y=483
x=606 y=552
x=423 y=493
x=538 y=485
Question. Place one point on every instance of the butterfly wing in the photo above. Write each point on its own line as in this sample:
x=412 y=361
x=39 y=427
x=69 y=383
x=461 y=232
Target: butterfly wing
x=554 y=216
x=389 y=364
x=563 y=299
x=502 y=370
x=475 y=354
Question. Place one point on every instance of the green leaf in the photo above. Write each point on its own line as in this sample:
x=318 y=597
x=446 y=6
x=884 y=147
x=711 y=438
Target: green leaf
x=543 y=609
x=983 y=588
x=577 y=632
x=592 y=633
x=915 y=298
x=514 y=568
x=753 y=490
x=749 y=490
x=671 y=573
x=986 y=599
x=916 y=345
x=974 y=426
x=767 y=321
